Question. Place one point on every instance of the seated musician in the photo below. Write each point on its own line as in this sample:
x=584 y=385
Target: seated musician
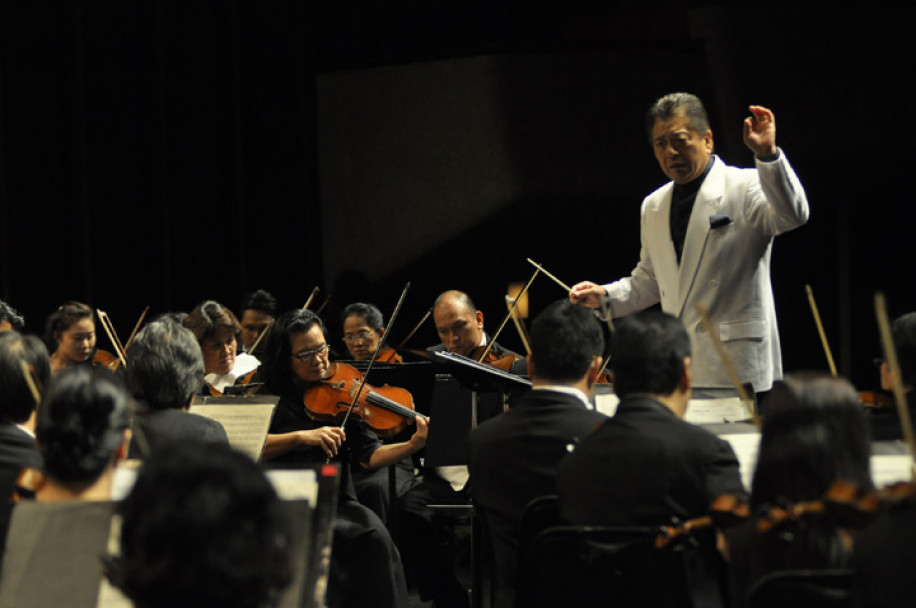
x=460 y=327
x=165 y=369
x=885 y=421
x=647 y=466
x=217 y=331
x=295 y=360
x=814 y=434
x=10 y=319
x=259 y=309
x=82 y=433
x=70 y=335
x=233 y=554
x=17 y=412
x=513 y=458
x=363 y=327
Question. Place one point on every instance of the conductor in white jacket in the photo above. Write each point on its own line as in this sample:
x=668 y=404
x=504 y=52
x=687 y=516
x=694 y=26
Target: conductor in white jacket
x=706 y=238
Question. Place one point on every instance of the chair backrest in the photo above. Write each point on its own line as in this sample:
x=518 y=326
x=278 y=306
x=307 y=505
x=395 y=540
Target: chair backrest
x=828 y=588
x=574 y=566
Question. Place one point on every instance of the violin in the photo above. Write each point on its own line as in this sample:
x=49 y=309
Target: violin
x=389 y=355
x=492 y=359
x=726 y=511
x=103 y=358
x=386 y=410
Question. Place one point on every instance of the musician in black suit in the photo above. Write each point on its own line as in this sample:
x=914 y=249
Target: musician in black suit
x=646 y=465
x=513 y=458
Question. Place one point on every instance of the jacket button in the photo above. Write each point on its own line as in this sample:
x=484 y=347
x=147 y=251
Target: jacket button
x=714 y=283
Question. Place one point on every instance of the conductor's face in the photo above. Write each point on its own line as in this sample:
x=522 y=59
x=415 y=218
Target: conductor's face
x=682 y=153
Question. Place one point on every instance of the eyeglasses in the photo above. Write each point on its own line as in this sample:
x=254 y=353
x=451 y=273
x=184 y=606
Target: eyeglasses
x=362 y=334
x=308 y=355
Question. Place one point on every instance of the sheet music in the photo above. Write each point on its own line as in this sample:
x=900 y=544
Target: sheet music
x=711 y=411
x=246 y=424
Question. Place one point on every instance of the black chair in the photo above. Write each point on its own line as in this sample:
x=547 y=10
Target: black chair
x=827 y=588
x=575 y=566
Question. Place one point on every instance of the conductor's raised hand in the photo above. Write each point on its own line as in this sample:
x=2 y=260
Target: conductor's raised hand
x=587 y=293
x=760 y=131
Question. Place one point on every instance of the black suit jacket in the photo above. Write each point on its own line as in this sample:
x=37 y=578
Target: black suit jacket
x=161 y=427
x=645 y=466
x=513 y=459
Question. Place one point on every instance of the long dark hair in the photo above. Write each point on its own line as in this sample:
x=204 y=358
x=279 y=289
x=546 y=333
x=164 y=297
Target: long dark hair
x=276 y=365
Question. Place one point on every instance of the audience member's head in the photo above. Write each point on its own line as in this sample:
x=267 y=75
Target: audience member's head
x=814 y=433
x=202 y=527
x=217 y=330
x=16 y=399
x=82 y=426
x=10 y=319
x=259 y=308
x=566 y=342
x=650 y=353
x=165 y=368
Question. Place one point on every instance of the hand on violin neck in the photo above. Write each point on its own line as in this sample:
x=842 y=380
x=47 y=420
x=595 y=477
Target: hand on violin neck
x=417 y=441
x=329 y=438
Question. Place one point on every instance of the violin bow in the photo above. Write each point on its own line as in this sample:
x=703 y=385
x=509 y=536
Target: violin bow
x=112 y=336
x=555 y=279
x=415 y=328
x=136 y=328
x=323 y=304
x=890 y=355
x=264 y=332
x=727 y=362
x=522 y=332
x=31 y=381
x=820 y=330
x=508 y=316
x=311 y=297
x=381 y=345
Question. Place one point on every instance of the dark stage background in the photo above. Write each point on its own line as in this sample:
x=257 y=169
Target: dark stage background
x=162 y=153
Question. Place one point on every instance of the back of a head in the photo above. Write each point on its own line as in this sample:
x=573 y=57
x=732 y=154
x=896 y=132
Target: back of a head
x=565 y=339
x=81 y=424
x=202 y=526
x=814 y=433
x=165 y=367
x=647 y=353
x=903 y=331
x=16 y=399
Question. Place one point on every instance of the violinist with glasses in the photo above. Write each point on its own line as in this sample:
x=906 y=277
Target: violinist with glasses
x=296 y=364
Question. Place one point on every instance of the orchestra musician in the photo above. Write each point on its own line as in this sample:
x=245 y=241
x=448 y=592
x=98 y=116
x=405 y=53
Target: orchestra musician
x=10 y=319
x=884 y=422
x=259 y=309
x=295 y=361
x=513 y=458
x=814 y=434
x=363 y=328
x=70 y=335
x=460 y=327
x=217 y=331
x=706 y=238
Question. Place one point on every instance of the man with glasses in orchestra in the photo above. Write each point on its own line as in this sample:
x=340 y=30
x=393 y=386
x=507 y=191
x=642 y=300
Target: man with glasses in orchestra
x=706 y=240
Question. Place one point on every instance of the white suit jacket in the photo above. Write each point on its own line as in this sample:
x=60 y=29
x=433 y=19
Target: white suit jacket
x=725 y=266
